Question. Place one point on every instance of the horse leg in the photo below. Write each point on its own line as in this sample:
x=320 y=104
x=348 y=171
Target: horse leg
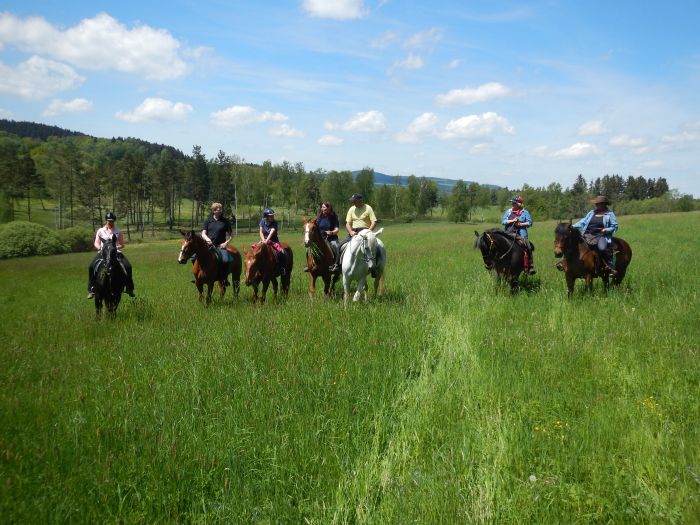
x=361 y=287
x=222 y=287
x=210 y=289
x=589 y=282
x=606 y=281
x=312 y=285
x=98 y=306
x=379 y=285
x=326 y=285
x=264 y=290
x=570 y=282
x=346 y=289
x=200 y=289
x=255 y=293
x=274 y=285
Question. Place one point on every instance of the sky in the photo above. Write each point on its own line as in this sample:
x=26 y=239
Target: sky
x=505 y=93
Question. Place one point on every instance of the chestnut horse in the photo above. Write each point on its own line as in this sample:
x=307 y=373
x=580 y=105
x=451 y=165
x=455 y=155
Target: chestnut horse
x=110 y=279
x=503 y=254
x=319 y=257
x=207 y=268
x=580 y=261
x=261 y=267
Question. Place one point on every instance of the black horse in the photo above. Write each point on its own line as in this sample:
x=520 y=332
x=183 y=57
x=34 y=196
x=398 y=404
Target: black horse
x=110 y=278
x=502 y=253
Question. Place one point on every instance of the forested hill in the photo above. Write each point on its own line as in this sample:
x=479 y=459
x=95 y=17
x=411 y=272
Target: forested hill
x=42 y=132
x=35 y=130
x=442 y=184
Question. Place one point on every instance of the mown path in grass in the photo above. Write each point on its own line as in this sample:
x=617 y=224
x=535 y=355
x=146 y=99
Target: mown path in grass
x=449 y=400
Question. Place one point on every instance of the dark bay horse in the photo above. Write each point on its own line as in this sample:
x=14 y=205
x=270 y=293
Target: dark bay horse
x=503 y=254
x=207 y=268
x=261 y=267
x=110 y=278
x=319 y=257
x=582 y=262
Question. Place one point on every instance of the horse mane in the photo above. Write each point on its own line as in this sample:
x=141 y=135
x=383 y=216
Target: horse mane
x=565 y=229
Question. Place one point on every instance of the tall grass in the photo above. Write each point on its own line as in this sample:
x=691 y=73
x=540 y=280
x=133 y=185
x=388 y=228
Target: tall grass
x=446 y=401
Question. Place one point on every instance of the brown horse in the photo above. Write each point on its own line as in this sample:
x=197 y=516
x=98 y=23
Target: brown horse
x=261 y=267
x=582 y=262
x=207 y=268
x=319 y=257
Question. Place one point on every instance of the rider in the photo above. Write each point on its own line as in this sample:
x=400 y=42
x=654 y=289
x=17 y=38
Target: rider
x=268 y=235
x=104 y=234
x=517 y=220
x=360 y=217
x=217 y=231
x=328 y=224
x=597 y=227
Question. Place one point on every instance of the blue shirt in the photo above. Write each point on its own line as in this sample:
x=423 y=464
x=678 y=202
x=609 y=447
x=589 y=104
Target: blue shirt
x=328 y=223
x=609 y=223
x=267 y=227
x=524 y=218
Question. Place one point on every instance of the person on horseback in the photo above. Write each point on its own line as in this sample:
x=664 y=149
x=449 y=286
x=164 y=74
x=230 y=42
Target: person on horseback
x=516 y=221
x=217 y=231
x=360 y=217
x=597 y=228
x=329 y=225
x=268 y=234
x=102 y=235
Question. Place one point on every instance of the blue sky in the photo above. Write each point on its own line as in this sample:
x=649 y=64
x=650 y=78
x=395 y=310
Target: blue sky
x=497 y=92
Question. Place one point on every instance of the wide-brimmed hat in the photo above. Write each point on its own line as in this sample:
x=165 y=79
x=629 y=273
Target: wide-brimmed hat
x=600 y=199
x=356 y=197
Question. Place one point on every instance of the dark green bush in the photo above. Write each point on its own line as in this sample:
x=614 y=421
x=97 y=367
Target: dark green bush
x=22 y=239
x=77 y=238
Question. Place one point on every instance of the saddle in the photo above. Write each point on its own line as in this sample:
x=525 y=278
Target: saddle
x=223 y=259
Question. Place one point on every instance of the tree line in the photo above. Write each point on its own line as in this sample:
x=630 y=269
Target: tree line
x=149 y=186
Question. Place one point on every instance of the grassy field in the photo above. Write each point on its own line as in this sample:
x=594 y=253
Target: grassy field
x=447 y=401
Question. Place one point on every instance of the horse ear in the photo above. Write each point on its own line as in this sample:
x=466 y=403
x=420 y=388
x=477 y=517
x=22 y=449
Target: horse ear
x=183 y=233
x=304 y=218
x=476 y=233
x=245 y=250
x=192 y=233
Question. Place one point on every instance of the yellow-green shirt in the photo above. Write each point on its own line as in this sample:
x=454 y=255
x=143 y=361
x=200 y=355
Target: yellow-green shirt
x=361 y=217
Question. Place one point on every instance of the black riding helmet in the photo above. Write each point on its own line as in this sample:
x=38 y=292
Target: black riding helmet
x=110 y=216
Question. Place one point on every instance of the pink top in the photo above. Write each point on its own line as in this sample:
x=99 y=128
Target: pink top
x=104 y=234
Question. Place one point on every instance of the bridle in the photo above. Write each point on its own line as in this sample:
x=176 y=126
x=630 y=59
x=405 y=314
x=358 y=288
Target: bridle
x=492 y=244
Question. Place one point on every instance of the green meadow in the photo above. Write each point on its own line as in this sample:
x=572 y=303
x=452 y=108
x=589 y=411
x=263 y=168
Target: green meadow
x=445 y=401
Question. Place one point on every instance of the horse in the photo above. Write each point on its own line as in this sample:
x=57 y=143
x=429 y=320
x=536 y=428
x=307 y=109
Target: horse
x=261 y=267
x=580 y=261
x=364 y=254
x=207 y=268
x=503 y=254
x=319 y=257
x=110 y=278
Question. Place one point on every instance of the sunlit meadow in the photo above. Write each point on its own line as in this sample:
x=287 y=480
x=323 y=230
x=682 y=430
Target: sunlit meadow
x=446 y=401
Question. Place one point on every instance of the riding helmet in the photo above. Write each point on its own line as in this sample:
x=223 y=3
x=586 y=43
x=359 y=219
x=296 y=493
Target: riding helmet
x=268 y=212
x=355 y=197
x=110 y=216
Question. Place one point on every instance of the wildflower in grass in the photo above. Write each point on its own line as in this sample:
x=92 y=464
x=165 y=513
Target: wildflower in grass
x=652 y=405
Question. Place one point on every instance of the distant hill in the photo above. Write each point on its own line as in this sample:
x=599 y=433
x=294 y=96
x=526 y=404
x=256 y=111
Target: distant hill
x=443 y=184
x=35 y=130
x=43 y=132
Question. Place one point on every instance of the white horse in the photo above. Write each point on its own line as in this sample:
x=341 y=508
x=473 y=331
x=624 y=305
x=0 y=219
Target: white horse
x=364 y=253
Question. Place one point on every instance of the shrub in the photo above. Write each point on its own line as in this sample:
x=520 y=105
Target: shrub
x=77 y=238
x=22 y=239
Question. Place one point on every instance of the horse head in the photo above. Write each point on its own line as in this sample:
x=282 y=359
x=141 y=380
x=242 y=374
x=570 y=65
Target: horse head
x=367 y=245
x=486 y=244
x=254 y=264
x=564 y=236
x=109 y=252
x=187 y=246
x=311 y=232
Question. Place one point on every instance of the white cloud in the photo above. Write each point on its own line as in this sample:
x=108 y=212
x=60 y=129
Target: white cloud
x=99 y=43
x=410 y=62
x=651 y=164
x=6 y=114
x=474 y=126
x=592 y=127
x=242 y=116
x=330 y=140
x=424 y=39
x=483 y=93
x=156 y=110
x=286 y=131
x=454 y=64
x=625 y=140
x=688 y=134
x=575 y=151
x=37 y=78
x=425 y=124
x=335 y=9
x=384 y=40
x=367 y=121
x=77 y=105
